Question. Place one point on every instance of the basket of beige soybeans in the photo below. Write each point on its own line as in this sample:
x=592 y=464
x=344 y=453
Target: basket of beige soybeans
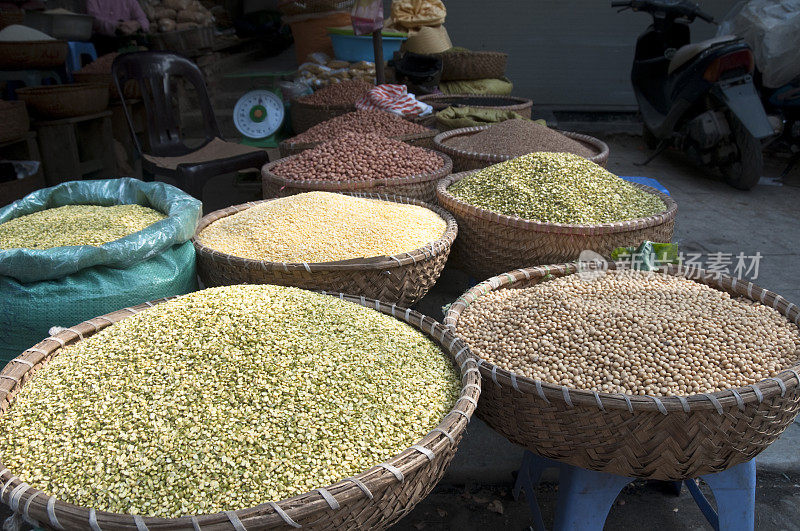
x=383 y=247
x=666 y=374
x=235 y=407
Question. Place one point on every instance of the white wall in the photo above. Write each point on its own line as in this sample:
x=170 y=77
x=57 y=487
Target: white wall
x=562 y=52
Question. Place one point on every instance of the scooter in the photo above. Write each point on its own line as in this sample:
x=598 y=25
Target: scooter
x=698 y=97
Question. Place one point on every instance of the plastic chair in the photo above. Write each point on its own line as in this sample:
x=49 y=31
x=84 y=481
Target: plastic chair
x=585 y=497
x=77 y=51
x=169 y=156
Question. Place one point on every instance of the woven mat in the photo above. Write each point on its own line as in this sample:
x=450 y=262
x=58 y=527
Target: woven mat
x=215 y=150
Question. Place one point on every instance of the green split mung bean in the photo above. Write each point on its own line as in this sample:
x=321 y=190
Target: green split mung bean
x=224 y=399
x=75 y=225
x=556 y=188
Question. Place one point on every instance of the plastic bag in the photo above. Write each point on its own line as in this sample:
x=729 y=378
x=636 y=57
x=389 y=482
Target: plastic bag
x=367 y=16
x=32 y=265
x=772 y=29
x=412 y=14
x=63 y=286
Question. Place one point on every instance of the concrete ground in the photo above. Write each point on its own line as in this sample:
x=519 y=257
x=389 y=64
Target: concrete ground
x=712 y=218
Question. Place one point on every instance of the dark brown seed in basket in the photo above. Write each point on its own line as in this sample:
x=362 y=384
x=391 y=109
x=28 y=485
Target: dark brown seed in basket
x=344 y=93
x=519 y=137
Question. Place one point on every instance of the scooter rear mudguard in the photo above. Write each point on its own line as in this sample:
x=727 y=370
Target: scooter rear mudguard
x=740 y=96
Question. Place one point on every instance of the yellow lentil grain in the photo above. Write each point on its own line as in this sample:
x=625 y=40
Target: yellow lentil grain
x=75 y=225
x=323 y=227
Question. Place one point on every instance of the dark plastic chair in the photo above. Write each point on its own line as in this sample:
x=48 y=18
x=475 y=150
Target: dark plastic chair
x=169 y=156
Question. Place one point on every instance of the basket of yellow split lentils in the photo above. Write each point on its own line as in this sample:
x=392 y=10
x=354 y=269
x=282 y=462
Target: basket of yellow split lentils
x=545 y=208
x=666 y=374
x=358 y=162
x=384 y=247
x=473 y=148
x=236 y=407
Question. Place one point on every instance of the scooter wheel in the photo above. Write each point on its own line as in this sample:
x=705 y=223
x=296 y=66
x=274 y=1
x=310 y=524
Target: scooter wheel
x=744 y=172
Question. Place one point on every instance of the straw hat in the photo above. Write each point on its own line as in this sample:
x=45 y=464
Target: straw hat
x=428 y=40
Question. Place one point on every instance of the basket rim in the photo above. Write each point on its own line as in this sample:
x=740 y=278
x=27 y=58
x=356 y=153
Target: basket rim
x=378 y=477
x=471 y=52
x=516 y=102
x=601 y=148
x=759 y=391
x=60 y=89
x=442 y=244
x=286 y=144
x=353 y=184
x=452 y=203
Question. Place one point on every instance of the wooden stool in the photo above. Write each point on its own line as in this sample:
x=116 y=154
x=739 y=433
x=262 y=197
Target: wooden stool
x=21 y=149
x=77 y=148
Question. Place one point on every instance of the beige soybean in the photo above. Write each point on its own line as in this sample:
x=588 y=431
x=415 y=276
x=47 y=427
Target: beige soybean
x=323 y=227
x=630 y=332
x=225 y=399
x=75 y=225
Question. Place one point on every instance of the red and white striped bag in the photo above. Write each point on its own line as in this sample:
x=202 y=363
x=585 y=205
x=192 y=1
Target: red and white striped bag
x=395 y=99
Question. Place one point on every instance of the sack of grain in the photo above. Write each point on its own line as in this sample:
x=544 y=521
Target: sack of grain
x=62 y=286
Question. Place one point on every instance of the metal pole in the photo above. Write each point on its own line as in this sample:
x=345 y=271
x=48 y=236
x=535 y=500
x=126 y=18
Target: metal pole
x=377 y=45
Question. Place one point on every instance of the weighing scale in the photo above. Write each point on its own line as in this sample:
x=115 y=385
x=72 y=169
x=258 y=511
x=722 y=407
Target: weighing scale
x=260 y=114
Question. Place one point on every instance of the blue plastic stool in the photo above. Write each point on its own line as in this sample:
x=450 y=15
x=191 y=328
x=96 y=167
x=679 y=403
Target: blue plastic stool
x=585 y=497
x=647 y=181
x=77 y=51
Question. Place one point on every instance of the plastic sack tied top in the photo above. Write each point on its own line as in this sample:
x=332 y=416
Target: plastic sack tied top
x=33 y=265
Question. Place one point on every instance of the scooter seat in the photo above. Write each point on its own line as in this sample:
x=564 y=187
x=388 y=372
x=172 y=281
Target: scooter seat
x=686 y=53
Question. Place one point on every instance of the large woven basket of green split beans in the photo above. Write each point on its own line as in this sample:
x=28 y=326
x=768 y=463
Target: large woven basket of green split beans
x=668 y=374
x=384 y=247
x=545 y=208
x=237 y=407
x=355 y=162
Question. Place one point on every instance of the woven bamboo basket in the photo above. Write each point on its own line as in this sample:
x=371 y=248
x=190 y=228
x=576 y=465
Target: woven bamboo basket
x=424 y=140
x=401 y=279
x=14 y=117
x=468 y=65
x=65 y=101
x=491 y=243
x=305 y=116
x=11 y=16
x=29 y=55
x=665 y=438
x=374 y=499
x=131 y=88
x=304 y=7
x=440 y=102
x=469 y=160
x=421 y=187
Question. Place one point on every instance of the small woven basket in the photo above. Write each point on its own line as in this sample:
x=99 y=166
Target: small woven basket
x=440 y=102
x=401 y=279
x=305 y=7
x=65 y=101
x=469 y=65
x=374 y=499
x=14 y=117
x=11 y=16
x=421 y=187
x=469 y=160
x=424 y=140
x=131 y=88
x=665 y=438
x=304 y=116
x=30 y=55
x=491 y=243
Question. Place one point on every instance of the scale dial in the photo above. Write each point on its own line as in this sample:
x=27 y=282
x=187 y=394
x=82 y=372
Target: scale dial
x=258 y=114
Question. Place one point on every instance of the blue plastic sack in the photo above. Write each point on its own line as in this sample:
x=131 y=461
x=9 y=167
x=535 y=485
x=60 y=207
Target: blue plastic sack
x=62 y=286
